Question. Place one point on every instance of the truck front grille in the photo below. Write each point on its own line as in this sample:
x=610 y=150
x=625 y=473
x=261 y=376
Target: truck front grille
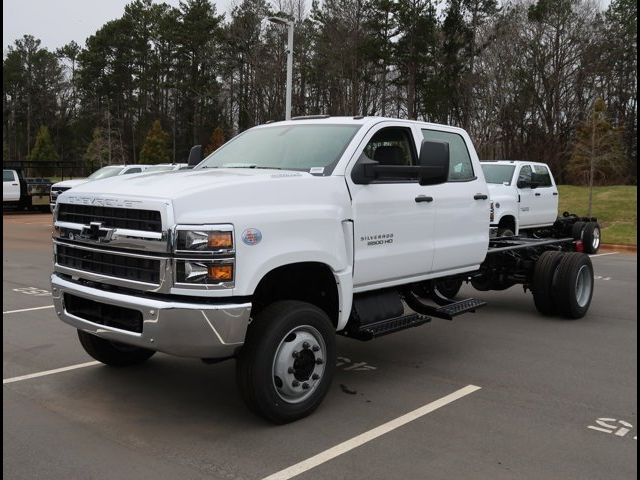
x=104 y=314
x=111 y=217
x=111 y=264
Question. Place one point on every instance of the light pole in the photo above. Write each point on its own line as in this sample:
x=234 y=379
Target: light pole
x=289 y=24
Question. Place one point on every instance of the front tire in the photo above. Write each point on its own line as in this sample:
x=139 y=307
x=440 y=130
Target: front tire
x=591 y=237
x=114 y=354
x=286 y=365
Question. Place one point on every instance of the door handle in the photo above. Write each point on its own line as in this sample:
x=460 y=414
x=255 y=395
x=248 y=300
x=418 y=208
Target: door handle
x=537 y=194
x=480 y=196
x=14 y=184
x=555 y=193
x=423 y=198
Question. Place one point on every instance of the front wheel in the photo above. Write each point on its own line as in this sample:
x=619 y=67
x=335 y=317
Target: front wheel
x=285 y=368
x=115 y=354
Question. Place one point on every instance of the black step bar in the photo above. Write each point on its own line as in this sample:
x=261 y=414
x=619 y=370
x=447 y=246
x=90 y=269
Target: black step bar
x=385 y=327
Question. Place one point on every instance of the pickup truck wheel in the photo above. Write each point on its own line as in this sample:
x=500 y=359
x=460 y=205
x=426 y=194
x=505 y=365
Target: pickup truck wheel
x=573 y=288
x=542 y=285
x=505 y=232
x=577 y=229
x=286 y=364
x=115 y=354
x=591 y=237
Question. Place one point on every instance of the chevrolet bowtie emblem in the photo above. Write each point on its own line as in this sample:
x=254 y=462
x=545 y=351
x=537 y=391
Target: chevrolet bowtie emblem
x=95 y=231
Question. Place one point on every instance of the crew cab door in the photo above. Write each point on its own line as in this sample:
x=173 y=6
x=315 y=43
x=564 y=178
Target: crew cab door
x=526 y=196
x=545 y=196
x=10 y=186
x=393 y=218
x=461 y=234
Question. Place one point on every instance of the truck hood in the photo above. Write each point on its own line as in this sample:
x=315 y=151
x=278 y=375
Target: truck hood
x=222 y=192
x=70 y=183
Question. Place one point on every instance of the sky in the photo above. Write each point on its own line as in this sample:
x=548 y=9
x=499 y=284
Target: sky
x=57 y=22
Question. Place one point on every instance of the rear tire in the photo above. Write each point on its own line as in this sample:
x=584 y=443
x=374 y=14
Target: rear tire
x=114 y=354
x=505 y=232
x=573 y=288
x=542 y=284
x=287 y=346
x=591 y=238
x=577 y=229
x=446 y=287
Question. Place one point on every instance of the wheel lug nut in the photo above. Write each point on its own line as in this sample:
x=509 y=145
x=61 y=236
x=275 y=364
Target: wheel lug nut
x=315 y=348
x=306 y=345
x=319 y=361
x=290 y=370
x=295 y=383
x=315 y=376
x=305 y=386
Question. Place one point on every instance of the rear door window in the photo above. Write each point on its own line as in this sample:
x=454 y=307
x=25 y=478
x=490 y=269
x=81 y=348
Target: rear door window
x=541 y=176
x=7 y=176
x=460 y=166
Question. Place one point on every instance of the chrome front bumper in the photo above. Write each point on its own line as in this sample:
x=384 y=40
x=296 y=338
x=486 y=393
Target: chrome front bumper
x=173 y=327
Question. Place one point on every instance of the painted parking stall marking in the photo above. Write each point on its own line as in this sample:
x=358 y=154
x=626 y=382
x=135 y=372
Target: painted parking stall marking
x=48 y=372
x=346 y=364
x=372 y=434
x=27 y=309
x=34 y=291
x=619 y=428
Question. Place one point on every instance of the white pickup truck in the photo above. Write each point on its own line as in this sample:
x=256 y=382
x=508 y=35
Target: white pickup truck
x=524 y=200
x=288 y=234
x=104 y=172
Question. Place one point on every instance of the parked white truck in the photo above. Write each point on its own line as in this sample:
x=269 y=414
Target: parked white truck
x=524 y=200
x=288 y=234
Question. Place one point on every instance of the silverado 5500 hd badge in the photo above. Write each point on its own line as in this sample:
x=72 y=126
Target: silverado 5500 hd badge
x=380 y=239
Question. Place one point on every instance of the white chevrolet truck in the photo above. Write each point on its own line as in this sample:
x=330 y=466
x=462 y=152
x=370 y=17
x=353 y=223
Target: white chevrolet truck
x=524 y=201
x=289 y=234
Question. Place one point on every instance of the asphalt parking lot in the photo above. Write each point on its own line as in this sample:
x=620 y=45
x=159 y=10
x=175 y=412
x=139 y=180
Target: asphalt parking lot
x=544 y=383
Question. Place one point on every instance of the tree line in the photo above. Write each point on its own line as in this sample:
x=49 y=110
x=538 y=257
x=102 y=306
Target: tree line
x=524 y=77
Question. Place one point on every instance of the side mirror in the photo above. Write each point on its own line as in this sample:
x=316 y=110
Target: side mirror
x=195 y=155
x=527 y=184
x=364 y=171
x=434 y=162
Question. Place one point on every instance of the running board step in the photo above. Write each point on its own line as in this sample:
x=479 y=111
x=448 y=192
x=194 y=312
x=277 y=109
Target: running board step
x=385 y=327
x=454 y=309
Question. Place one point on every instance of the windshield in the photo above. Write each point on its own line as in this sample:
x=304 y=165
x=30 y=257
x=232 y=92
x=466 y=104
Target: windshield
x=105 y=172
x=288 y=147
x=159 y=168
x=500 y=174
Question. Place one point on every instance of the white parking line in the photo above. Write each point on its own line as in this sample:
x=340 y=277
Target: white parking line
x=372 y=434
x=27 y=309
x=603 y=254
x=48 y=372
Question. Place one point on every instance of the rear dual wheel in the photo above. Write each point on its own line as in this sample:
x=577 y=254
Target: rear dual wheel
x=589 y=233
x=563 y=283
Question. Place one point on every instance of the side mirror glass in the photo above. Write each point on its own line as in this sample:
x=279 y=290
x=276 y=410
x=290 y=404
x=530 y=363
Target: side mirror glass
x=195 y=155
x=434 y=163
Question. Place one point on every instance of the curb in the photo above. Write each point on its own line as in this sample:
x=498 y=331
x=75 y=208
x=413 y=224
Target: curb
x=626 y=248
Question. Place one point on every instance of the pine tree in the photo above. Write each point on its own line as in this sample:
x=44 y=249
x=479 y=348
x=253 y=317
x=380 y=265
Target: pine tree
x=97 y=154
x=156 y=146
x=43 y=151
x=216 y=141
x=598 y=153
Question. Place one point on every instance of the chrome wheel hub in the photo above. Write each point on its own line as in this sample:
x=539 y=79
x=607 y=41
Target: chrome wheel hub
x=584 y=285
x=298 y=364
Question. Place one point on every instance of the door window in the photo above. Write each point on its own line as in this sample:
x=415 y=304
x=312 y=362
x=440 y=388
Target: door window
x=133 y=170
x=525 y=174
x=392 y=146
x=7 y=176
x=541 y=176
x=460 y=167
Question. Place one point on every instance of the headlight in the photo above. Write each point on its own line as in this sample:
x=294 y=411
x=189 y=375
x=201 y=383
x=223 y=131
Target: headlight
x=213 y=238
x=204 y=272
